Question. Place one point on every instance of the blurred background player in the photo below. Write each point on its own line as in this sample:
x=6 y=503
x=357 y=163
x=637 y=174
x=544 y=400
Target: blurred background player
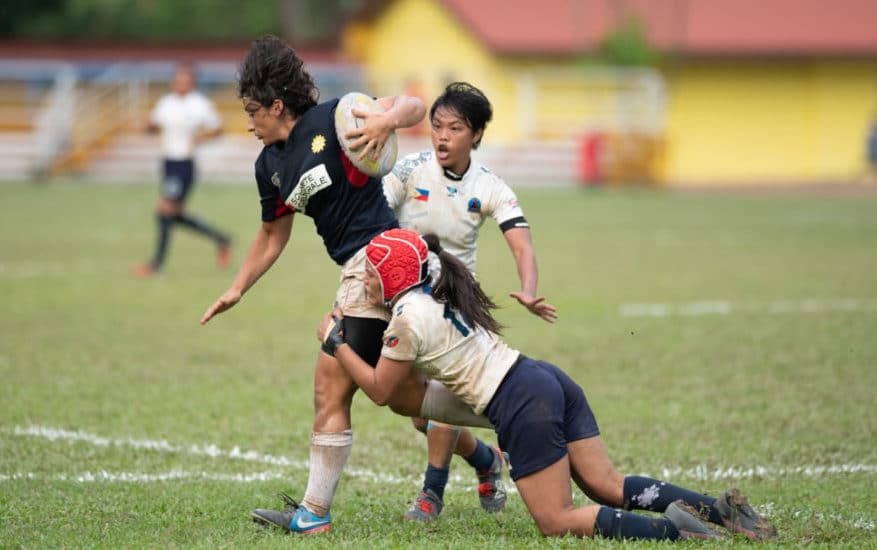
x=446 y=192
x=445 y=329
x=185 y=118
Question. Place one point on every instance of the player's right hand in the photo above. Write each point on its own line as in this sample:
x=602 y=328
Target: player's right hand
x=228 y=299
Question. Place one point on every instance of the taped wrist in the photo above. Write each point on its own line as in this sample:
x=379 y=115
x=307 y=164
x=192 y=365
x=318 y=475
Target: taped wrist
x=334 y=337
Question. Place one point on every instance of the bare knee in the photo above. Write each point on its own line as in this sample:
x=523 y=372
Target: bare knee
x=169 y=207
x=578 y=522
x=594 y=472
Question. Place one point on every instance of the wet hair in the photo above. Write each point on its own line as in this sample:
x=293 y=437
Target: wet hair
x=272 y=70
x=467 y=101
x=457 y=287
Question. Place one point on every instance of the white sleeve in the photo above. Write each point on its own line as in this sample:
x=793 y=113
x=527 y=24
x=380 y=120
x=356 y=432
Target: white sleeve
x=503 y=203
x=401 y=341
x=211 y=119
x=156 y=116
x=394 y=190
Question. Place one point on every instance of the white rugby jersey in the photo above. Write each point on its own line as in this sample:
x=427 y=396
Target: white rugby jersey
x=428 y=201
x=471 y=363
x=180 y=118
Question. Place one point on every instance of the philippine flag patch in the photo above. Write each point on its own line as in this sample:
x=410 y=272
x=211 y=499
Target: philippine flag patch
x=421 y=194
x=391 y=341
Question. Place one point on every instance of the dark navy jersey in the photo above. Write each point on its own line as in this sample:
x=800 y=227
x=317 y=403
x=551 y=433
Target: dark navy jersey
x=309 y=173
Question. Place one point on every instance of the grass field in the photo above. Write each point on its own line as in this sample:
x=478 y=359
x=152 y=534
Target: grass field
x=723 y=339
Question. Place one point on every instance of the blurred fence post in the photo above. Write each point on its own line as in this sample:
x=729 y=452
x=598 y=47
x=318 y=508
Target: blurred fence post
x=53 y=126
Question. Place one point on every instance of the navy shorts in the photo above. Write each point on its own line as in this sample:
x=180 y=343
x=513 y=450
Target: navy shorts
x=177 y=179
x=536 y=411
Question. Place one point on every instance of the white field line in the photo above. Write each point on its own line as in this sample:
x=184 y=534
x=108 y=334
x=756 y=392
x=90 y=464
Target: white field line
x=768 y=509
x=728 y=307
x=698 y=472
x=209 y=450
x=138 y=477
x=457 y=482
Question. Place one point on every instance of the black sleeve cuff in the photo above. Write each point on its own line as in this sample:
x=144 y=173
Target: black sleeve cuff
x=520 y=221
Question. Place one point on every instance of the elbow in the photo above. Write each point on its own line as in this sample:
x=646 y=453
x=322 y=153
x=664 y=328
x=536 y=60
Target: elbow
x=381 y=397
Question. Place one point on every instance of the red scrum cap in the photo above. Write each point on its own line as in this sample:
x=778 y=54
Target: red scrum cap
x=399 y=257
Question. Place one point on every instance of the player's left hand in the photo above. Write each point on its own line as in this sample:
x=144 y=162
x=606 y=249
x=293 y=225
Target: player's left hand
x=536 y=305
x=371 y=136
x=328 y=322
x=228 y=299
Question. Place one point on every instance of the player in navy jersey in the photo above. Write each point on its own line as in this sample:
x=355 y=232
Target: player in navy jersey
x=445 y=330
x=303 y=170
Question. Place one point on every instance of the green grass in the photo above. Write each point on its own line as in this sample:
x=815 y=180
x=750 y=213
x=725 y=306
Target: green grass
x=784 y=380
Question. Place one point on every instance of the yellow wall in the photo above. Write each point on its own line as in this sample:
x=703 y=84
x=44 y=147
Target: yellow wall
x=727 y=121
x=776 y=122
x=418 y=41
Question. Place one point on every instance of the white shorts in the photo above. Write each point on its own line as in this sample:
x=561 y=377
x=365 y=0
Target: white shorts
x=351 y=297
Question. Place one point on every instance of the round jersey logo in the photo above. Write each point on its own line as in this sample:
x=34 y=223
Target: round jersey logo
x=474 y=205
x=391 y=341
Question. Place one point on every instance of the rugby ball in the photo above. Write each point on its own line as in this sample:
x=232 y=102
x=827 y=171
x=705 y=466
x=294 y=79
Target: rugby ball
x=345 y=121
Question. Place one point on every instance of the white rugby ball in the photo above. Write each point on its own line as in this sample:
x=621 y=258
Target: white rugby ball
x=345 y=121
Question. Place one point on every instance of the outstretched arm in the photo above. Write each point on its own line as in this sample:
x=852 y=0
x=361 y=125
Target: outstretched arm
x=521 y=244
x=266 y=248
x=400 y=111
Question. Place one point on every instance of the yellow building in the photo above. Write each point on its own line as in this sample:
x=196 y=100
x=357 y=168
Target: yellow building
x=750 y=91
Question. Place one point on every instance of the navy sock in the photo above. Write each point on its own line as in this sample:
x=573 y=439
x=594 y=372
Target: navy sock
x=164 y=233
x=202 y=227
x=435 y=480
x=645 y=493
x=482 y=458
x=618 y=524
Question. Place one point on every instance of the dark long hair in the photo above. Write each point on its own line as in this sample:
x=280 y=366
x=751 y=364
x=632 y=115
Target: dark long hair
x=272 y=70
x=457 y=287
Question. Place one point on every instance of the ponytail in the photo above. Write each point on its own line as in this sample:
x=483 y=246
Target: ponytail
x=458 y=288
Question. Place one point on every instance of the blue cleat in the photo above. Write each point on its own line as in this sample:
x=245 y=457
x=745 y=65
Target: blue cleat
x=296 y=518
x=306 y=522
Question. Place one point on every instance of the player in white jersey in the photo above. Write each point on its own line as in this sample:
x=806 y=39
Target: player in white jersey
x=447 y=192
x=541 y=416
x=185 y=118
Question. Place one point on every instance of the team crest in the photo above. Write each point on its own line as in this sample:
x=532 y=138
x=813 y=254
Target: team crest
x=474 y=205
x=318 y=144
x=275 y=180
x=391 y=341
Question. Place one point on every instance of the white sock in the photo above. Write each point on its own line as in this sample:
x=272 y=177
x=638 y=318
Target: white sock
x=329 y=452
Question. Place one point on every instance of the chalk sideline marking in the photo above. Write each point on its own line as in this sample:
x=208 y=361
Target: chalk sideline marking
x=698 y=472
x=728 y=307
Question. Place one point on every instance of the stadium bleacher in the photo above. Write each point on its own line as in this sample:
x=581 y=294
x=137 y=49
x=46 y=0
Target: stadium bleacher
x=106 y=105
